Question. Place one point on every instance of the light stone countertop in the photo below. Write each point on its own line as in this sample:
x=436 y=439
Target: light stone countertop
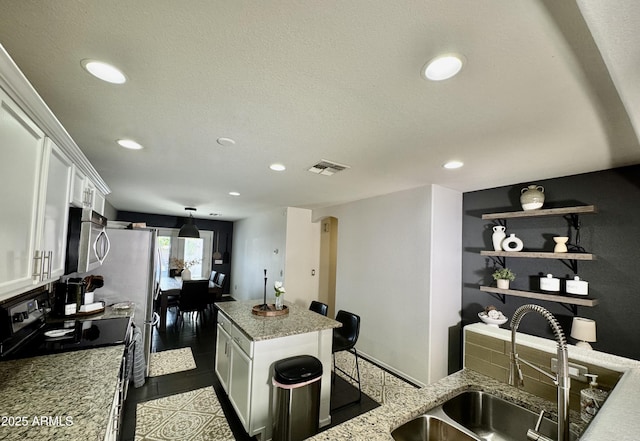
x=617 y=419
x=108 y=313
x=72 y=390
x=378 y=424
x=299 y=320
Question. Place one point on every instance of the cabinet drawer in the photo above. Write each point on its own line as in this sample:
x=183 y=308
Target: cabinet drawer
x=242 y=340
x=224 y=321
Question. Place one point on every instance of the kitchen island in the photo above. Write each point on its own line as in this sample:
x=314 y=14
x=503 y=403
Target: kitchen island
x=247 y=347
x=66 y=396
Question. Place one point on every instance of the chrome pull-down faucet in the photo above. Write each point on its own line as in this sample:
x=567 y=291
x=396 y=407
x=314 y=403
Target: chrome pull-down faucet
x=561 y=380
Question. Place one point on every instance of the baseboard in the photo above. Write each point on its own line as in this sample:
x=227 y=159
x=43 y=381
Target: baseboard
x=382 y=365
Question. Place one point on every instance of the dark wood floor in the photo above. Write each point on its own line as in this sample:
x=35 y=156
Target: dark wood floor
x=201 y=338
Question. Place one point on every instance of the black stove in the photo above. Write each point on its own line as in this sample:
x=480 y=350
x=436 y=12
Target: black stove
x=74 y=335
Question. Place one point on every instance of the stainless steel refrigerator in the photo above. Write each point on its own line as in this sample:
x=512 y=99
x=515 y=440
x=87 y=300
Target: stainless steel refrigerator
x=131 y=273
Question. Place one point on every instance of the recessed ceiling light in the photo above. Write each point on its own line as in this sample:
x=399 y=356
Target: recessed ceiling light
x=453 y=165
x=442 y=67
x=226 y=142
x=277 y=167
x=129 y=144
x=104 y=71
x=234 y=193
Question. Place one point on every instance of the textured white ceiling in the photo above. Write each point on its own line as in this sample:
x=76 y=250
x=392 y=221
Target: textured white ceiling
x=300 y=81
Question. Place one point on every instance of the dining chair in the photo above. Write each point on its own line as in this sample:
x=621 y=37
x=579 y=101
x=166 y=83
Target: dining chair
x=220 y=280
x=319 y=307
x=212 y=278
x=345 y=339
x=193 y=297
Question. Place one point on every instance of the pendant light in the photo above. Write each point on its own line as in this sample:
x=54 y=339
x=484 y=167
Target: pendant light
x=189 y=229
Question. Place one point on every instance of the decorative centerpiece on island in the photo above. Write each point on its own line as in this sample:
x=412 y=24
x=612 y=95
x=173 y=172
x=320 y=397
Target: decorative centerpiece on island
x=279 y=294
x=271 y=310
x=503 y=276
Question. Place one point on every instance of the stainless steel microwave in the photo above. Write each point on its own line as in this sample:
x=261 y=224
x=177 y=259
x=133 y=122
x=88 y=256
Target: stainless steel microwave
x=87 y=240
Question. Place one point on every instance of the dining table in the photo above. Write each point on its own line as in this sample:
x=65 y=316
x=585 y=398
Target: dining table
x=170 y=286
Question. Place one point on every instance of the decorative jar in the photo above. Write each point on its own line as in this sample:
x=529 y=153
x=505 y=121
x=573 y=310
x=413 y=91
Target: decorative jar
x=532 y=197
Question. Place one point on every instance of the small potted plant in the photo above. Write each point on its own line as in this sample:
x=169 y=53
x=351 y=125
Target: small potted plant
x=503 y=276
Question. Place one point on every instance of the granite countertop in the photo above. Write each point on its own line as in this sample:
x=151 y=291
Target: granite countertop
x=65 y=396
x=299 y=320
x=108 y=313
x=378 y=424
x=616 y=420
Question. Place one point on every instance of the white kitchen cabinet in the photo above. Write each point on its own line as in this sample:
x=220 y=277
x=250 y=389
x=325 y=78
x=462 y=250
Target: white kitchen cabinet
x=223 y=357
x=98 y=201
x=22 y=144
x=240 y=382
x=56 y=175
x=77 y=195
x=84 y=193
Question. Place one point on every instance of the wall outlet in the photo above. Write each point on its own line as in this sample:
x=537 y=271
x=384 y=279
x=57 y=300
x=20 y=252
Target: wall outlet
x=576 y=371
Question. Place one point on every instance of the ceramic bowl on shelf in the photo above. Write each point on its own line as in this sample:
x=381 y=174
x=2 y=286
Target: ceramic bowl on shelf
x=490 y=321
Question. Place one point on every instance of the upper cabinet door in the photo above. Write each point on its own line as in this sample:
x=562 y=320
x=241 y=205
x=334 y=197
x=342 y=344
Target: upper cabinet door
x=55 y=211
x=84 y=193
x=22 y=149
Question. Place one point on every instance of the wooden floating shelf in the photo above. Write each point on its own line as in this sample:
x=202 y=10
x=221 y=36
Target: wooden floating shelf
x=582 y=209
x=540 y=255
x=570 y=300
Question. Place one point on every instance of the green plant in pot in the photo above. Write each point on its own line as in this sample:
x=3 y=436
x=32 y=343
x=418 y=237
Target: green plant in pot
x=503 y=276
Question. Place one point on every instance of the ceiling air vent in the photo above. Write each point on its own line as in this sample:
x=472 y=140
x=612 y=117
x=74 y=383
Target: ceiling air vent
x=327 y=168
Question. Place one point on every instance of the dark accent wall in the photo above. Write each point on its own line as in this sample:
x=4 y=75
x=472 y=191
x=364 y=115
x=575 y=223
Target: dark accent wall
x=612 y=234
x=225 y=228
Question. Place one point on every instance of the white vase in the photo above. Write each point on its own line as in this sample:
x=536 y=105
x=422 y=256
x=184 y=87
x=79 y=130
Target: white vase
x=503 y=283
x=498 y=236
x=186 y=274
x=512 y=243
x=280 y=302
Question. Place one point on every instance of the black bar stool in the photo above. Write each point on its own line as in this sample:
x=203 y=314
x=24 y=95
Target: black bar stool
x=345 y=339
x=319 y=307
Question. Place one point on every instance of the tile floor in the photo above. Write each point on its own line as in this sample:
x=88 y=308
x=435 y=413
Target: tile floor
x=201 y=338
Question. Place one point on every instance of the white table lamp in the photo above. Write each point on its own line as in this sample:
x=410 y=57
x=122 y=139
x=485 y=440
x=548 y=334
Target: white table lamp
x=583 y=330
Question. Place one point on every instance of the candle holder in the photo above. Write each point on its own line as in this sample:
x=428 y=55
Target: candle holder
x=266 y=310
x=264 y=306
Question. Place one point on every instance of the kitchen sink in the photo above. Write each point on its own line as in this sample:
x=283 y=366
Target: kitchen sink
x=478 y=416
x=495 y=419
x=429 y=428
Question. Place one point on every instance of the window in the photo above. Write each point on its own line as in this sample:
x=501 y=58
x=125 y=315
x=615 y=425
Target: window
x=185 y=249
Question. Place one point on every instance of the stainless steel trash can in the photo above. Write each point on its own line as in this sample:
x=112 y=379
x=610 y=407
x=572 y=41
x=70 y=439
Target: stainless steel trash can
x=296 y=412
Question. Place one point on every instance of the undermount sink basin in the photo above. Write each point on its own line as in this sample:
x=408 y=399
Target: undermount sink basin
x=429 y=428
x=475 y=415
x=493 y=418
